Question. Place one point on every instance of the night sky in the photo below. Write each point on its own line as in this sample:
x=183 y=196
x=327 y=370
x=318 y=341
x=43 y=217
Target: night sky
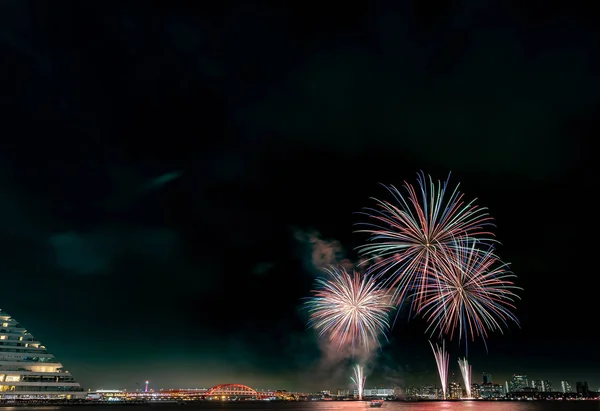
x=167 y=172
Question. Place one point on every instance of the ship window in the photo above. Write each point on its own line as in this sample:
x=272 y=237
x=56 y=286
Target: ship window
x=2 y=337
x=13 y=378
x=20 y=338
x=5 y=324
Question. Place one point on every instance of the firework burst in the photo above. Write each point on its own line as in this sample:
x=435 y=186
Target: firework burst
x=359 y=380
x=411 y=236
x=349 y=309
x=442 y=359
x=471 y=293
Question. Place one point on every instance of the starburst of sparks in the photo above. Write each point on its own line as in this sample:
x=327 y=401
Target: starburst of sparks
x=472 y=293
x=349 y=309
x=411 y=236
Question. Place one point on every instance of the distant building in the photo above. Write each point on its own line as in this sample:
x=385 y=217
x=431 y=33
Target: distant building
x=430 y=392
x=566 y=386
x=455 y=390
x=546 y=386
x=476 y=390
x=376 y=392
x=27 y=369
x=487 y=378
x=518 y=383
x=107 y=395
x=413 y=391
x=536 y=385
x=491 y=391
x=582 y=388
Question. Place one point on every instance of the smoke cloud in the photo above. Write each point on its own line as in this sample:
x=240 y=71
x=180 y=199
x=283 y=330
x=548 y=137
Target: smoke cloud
x=391 y=373
x=317 y=252
x=336 y=362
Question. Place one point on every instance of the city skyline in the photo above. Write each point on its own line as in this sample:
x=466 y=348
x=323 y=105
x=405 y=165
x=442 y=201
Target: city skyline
x=541 y=386
x=171 y=190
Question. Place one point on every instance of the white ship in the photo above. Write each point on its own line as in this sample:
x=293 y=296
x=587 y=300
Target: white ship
x=28 y=370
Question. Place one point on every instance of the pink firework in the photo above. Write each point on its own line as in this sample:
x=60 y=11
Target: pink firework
x=473 y=293
x=349 y=309
x=411 y=236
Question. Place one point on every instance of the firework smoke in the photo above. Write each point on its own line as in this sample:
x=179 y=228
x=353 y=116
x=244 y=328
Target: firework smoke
x=317 y=251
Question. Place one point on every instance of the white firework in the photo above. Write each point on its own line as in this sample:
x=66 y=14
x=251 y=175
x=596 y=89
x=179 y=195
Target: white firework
x=465 y=370
x=442 y=358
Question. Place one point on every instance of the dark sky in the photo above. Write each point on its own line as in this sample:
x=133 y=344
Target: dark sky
x=162 y=168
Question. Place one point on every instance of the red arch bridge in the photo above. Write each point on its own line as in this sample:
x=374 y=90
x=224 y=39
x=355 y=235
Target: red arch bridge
x=235 y=391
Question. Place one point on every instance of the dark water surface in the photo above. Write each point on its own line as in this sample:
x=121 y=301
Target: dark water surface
x=336 y=405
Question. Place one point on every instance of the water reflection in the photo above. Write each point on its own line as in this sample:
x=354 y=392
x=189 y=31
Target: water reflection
x=468 y=405
x=451 y=405
x=341 y=405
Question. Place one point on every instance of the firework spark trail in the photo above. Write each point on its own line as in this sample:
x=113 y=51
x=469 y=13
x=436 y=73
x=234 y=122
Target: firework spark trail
x=412 y=237
x=465 y=370
x=442 y=359
x=349 y=309
x=472 y=293
x=359 y=380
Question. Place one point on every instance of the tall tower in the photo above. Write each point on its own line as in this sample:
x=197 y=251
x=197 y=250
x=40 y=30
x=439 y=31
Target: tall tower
x=519 y=382
x=146 y=389
x=546 y=386
x=487 y=378
x=566 y=386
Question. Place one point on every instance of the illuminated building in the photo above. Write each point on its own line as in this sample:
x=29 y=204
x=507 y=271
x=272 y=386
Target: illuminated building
x=107 y=395
x=475 y=390
x=491 y=391
x=27 y=369
x=378 y=392
x=487 y=378
x=455 y=390
x=566 y=386
x=430 y=392
x=518 y=383
x=536 y=385
x=546 y=386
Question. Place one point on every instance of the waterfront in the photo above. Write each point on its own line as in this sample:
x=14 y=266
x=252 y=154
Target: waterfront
x=338 y=405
